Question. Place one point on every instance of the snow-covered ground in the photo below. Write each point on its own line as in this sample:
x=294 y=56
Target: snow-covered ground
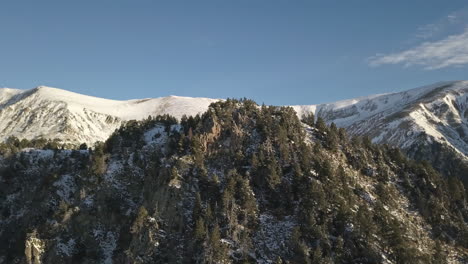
x=54 y=113
x=439 y=112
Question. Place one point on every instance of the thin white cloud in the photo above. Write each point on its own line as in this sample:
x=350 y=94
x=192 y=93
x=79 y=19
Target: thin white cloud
x=429 y=30
x=448 y=52
x=454 y=20
x=443 y=45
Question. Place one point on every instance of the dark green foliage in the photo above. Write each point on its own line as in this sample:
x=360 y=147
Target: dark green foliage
x=309 y=119
x=200 y=230
x=140 y=220
x=83 y=146
x=442 y=157
x=217 y=251
x=98 y=166
x=13 y=145
x=332 y=138
x=321 y=125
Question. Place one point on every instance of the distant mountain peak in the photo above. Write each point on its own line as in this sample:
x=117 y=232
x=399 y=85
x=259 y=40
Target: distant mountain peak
x=47 y=112
x=413 y=120
x=436 y=112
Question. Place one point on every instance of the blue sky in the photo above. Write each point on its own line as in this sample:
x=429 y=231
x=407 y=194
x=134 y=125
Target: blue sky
x=273 y=51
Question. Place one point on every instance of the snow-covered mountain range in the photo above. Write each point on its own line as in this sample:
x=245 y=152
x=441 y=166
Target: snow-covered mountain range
x=409 y=119
x=58 y=114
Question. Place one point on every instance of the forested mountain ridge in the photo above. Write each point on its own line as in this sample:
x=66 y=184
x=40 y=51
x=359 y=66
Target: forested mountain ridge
x=428 y=123
x=239 y=184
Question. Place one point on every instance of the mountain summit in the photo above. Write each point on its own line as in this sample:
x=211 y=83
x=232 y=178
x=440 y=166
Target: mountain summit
x=428 y=123
x=438 y=112
x=52 y=113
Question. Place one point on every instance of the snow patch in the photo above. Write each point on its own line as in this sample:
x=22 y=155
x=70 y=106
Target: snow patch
x=107 y=242
x=156 y=135
x=66 y=249
x=273 y=236
x=89 y=200
x=66 y=187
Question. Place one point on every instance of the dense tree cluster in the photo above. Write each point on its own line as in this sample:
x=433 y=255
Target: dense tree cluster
x=443 y=158
x=13 y=145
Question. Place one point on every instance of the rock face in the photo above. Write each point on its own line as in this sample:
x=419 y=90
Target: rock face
x=425 y=122
x=51 y=113
x=34 y=248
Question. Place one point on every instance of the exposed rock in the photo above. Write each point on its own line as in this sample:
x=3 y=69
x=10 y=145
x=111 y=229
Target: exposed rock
x=34 y=249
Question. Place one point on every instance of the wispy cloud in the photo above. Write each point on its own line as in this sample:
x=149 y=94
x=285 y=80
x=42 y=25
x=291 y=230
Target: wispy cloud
x=438 y=50
x=429 y=30
x=451 y=51
x=444 y=24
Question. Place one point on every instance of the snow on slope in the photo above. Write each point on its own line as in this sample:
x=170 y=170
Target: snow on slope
x=436 y=112
x=54 y=113
x=347 y=112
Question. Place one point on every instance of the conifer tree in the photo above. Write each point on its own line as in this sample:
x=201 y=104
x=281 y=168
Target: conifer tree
x=309 y=119
x=217 y=249
x=200 y=229
x=321 y=125
x=273 y=174
x=197 y=207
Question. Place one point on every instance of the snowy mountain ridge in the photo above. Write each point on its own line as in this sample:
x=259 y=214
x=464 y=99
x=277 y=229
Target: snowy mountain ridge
x=437 y=112
x=408 y=119
x=58 y=114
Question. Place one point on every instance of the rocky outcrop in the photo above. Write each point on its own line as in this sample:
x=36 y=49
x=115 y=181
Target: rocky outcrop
x=34 y=249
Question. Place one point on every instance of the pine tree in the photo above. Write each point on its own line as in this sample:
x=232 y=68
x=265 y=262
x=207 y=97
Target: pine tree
x=218 y=250
x=140 y=220
x=321 y=125
x=309 y=118
x=228 y=201
x=325 y=170
x=197 y=151
x=331 y=139
x=339 y=250
x=200 y=230
x=247 y=200
x=317 y=256
x=245 y=243
x=300 y=250
x=364 y=222
x=197 y=207
x=273 y=176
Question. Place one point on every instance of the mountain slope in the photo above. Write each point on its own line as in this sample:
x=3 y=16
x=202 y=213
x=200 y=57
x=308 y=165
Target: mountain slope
x=421 y=121
x=238 y=184
x=429 y=123
x=58 y=114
